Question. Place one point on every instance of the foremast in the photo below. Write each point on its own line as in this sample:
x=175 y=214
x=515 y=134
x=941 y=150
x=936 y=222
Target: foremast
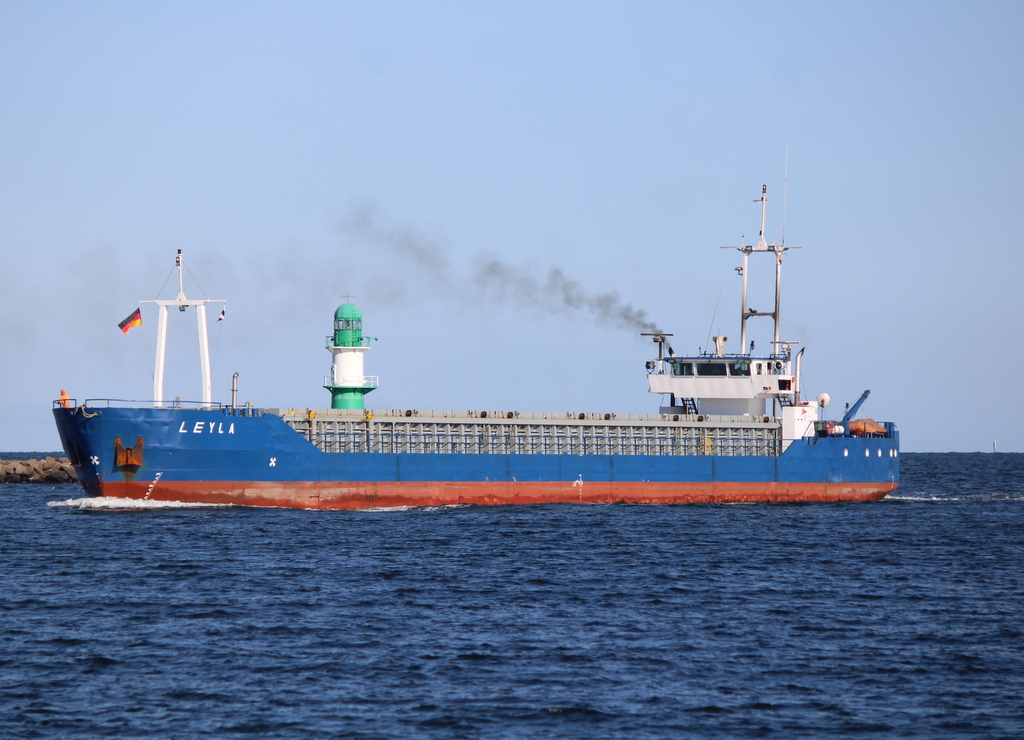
x=182 y=302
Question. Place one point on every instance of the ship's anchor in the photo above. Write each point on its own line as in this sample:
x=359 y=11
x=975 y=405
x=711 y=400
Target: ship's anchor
x=128 y=456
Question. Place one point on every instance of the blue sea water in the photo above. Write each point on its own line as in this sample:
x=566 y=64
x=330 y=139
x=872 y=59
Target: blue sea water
x=901 y=618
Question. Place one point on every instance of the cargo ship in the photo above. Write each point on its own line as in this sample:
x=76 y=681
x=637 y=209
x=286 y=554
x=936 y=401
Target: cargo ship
x=731 y=428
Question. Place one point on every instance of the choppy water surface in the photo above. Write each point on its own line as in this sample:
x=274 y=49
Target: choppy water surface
x=901 y=618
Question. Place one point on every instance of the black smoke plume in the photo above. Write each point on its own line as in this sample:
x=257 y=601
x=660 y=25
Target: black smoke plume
x=490 y=277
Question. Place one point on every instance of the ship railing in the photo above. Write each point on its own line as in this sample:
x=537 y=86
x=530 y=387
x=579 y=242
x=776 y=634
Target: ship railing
x=828 y=429
x=176 y=403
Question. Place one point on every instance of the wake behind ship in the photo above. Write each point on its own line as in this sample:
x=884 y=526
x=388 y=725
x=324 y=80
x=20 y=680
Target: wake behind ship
x=733 y=427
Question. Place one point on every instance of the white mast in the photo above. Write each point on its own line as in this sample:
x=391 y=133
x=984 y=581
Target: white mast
x=762 y=246
x=161 y=341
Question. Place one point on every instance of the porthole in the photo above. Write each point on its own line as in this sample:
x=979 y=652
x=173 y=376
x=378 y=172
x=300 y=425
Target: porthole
x=867 y=453
x=879 y=451
x=846 y=453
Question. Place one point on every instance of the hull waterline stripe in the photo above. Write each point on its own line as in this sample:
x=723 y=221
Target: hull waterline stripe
x=361 y=495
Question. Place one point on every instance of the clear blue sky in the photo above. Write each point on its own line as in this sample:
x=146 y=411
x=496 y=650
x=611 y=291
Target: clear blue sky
x=299 y=151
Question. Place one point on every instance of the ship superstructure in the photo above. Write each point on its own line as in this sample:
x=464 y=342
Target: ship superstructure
x=740 y=384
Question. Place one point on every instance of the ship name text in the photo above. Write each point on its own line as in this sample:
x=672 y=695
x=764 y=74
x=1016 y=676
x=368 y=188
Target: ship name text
x=210 y=427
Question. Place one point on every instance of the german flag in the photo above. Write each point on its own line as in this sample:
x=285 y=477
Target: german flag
x=135 y=319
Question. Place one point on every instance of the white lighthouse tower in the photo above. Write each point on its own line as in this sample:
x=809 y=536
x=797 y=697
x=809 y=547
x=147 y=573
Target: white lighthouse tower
x=347 y=346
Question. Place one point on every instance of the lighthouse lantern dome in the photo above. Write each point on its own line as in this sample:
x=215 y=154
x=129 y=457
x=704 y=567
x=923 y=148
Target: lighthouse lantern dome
x=348 y=326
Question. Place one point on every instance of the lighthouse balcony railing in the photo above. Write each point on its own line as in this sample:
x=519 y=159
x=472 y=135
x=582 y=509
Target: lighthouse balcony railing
x=227 y=409
x=365 y=381
x=329 y=342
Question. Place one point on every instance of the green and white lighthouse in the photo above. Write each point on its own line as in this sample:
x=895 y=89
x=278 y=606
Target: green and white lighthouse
x=346 y=382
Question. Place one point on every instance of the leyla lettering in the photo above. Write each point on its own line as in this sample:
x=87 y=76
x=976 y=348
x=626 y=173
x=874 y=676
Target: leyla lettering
x=207 y=427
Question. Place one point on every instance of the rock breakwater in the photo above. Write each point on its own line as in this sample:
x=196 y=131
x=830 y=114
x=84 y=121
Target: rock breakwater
x=47 y=470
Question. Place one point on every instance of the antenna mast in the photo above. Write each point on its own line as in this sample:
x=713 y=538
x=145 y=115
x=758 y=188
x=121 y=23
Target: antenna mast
x=785 y=190
x=747 y=250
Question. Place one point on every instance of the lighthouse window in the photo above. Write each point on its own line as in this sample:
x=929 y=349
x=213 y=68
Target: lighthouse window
x=711 y=368
x=348 y=324
x=739 y=368
x=682 y=368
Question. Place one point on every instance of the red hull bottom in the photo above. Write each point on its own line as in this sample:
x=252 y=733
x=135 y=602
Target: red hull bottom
x=362 y=495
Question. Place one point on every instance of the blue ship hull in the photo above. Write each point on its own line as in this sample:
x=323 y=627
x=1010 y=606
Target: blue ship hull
x=249 y=457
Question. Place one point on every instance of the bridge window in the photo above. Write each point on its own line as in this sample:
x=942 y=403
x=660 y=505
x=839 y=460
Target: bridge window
x=739 y=368
x=711 y=368
x=682 y=368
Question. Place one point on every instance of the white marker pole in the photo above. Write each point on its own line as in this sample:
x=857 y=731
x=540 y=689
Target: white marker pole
x=204 y=353
x=161 y=356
